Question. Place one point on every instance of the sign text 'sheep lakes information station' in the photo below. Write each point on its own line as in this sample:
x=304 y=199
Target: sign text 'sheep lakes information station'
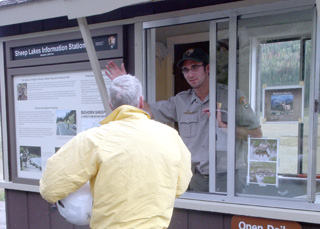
x=101 y=43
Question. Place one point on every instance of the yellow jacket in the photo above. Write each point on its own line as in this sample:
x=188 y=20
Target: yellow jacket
x=136 y=167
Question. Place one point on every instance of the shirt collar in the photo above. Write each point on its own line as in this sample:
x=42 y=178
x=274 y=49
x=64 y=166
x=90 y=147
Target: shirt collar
x=123 y=112
x=194 y=97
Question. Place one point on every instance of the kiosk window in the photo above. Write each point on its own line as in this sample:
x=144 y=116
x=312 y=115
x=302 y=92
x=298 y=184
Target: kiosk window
x=261 y=65
x=275 y=54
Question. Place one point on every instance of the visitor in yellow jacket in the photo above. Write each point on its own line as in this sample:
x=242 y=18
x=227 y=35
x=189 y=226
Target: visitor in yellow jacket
x=136 y=166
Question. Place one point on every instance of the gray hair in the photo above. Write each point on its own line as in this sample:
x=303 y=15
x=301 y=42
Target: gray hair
x=125 y=90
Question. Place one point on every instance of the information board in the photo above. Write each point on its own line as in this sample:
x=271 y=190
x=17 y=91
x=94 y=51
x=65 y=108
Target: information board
x=49 y=110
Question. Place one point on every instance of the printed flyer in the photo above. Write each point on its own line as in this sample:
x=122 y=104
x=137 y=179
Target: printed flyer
x=263 y=161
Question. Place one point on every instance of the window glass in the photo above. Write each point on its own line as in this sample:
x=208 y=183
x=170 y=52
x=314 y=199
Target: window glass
x=303 y=144
x=273 y=77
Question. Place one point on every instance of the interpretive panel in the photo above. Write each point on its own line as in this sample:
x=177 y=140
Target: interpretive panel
x=49 y=110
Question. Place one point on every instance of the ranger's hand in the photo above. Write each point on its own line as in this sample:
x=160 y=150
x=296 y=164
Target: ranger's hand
x=220 y=122
x=206 y=111
x=113 y=71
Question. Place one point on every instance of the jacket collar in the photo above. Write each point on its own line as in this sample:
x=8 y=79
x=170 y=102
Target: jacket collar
x=123 y=112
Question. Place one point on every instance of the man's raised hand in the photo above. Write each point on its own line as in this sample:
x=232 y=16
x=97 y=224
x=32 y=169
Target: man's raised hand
x=113 y=71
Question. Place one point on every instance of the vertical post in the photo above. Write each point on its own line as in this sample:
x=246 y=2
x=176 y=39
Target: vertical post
x=4 y=121
x=139 y=55
x=94 y=62
x=232 y=88
x=151 y=65
x=212 y=106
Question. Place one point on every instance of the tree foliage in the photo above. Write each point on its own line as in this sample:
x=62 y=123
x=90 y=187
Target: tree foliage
x=280 y=63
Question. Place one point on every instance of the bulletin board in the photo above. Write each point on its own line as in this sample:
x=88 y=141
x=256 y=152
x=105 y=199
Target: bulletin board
x=52 y=95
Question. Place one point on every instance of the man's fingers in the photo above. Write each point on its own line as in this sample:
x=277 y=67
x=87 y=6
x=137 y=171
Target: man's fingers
x=108 y=72
x=113 y=71
x=207 y=111
x=123 y=70
x=113 y=66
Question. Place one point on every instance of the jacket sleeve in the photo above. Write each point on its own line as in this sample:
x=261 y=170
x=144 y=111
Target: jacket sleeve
x=185 y=173
x=69 y=169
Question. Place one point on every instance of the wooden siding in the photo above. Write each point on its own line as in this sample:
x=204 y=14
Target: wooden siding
x=27 y=210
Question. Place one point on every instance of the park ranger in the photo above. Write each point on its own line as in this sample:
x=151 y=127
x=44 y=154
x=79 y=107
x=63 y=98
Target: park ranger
x=190 y=109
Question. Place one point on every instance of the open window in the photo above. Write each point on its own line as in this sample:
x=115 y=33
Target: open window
x=265 y=63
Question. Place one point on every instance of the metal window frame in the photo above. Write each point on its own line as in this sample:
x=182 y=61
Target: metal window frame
x=313 y=113
x=212 y=104
x=232 y=88
x=231 y=15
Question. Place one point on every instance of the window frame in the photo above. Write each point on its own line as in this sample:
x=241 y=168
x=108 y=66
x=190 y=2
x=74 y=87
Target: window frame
x=208 y=201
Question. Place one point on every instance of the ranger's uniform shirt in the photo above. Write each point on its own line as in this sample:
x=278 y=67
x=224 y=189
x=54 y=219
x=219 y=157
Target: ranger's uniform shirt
x=186 y=109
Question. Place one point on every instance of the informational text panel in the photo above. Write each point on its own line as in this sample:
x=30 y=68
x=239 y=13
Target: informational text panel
x=50 y=109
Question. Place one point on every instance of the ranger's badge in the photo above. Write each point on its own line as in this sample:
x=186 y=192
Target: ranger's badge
x=244 y=102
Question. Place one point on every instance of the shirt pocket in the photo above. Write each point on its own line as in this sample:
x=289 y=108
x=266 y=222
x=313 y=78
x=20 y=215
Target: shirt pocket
x=188 y=125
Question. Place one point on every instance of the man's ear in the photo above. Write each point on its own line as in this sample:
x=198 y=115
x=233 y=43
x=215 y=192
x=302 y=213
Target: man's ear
x=141 y=102
x=207 y=67
x=110 y=106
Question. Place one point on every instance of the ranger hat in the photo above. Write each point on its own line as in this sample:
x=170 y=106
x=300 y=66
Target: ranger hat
x=195 y=54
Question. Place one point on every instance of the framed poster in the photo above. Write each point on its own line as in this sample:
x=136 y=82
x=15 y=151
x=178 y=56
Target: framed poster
x=263 y=161
x=283 y=104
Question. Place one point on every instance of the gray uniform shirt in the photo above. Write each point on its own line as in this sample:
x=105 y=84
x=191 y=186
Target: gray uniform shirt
x=186 y=109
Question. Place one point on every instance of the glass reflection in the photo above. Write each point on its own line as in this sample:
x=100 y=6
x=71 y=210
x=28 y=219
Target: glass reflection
x=274 y=71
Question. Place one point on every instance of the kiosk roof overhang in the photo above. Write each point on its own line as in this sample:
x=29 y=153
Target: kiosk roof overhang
x=84 y=8
x=46 y=9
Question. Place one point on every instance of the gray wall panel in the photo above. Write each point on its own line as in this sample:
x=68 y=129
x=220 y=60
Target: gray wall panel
x=310 y=226
x=37 y=209
x=204 y=220
x=227 y=221
x=58 y=222
x=81 y=227
x=17 y=209
x=179 y=219
x=129 y=49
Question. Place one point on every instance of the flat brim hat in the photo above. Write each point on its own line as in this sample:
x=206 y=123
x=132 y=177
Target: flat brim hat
x=195 y=54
